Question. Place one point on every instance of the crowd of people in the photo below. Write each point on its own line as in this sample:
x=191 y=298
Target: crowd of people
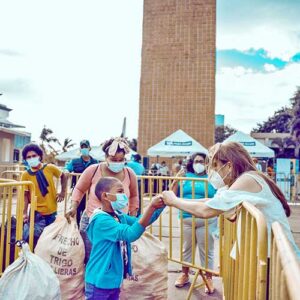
x=109 y=221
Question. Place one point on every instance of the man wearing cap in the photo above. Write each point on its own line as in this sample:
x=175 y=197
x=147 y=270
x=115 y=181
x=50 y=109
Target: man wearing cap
x=78 y=165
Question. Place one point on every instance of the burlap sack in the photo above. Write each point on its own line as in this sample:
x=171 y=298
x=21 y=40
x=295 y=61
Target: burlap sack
x=62 y=247
x=150 y=268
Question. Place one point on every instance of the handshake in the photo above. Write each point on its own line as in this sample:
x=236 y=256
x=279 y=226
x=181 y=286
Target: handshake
x=166 y=198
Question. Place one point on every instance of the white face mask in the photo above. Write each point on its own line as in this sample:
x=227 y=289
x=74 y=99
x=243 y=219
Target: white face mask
x=215 y=179
x=198 y=168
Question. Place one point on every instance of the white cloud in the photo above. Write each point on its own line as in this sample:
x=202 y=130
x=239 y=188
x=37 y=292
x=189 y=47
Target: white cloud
x=236 y=71
x=277 y=42
x=251 y=98
x=269 y=24
x=269 y=68
x=78 y=68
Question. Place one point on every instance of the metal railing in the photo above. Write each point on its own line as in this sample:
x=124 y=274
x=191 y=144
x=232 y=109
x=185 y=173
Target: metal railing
x=284 y=267
x=11 y=208
x=243 y=244
x=169 y=234
x=243 y=255
x=11 y=174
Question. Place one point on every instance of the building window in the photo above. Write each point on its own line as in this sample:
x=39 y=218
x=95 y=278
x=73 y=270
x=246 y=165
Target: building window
x=21 y=141
x=6 y=148
x=16 y=155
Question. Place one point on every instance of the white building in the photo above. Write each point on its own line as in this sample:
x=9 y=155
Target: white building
x=12 y=139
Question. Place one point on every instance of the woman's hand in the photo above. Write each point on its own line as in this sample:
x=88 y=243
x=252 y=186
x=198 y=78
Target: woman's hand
x=169 y=198
x=181 y=173
x=72 y=212
x=157 y=202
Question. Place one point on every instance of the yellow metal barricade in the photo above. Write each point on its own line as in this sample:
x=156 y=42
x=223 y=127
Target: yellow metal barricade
x=11 y=208
x=11 y=174
x=11 y=167
x=284 y=275
x=243 y=254
x=69 y=190
x=169 y=232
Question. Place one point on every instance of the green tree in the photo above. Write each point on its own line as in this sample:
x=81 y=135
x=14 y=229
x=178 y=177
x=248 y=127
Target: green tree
x=48 y=142
x=295 y=122
x=223 y=132
x=67 y=144
x=284 y=120
x=279 y=123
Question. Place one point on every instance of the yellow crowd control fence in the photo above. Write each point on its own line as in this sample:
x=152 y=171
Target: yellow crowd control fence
x=11 y=208
x=72 y=180
x=284 y=267
x=243 y=254
x=11 y=174
x=171 y=227
x=243 y=244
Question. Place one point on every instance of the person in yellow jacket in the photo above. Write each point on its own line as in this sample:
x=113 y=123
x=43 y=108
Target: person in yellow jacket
x=42 y=176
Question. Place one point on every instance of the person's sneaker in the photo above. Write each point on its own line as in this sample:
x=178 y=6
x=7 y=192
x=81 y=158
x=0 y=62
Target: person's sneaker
x=209 y=289
x=182 y=280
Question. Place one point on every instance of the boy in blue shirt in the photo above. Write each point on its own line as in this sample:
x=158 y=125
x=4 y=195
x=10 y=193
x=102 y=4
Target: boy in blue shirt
x=111 y=232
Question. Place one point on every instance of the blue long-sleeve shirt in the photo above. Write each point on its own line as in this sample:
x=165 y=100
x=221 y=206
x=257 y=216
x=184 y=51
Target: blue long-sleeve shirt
x=105 y=268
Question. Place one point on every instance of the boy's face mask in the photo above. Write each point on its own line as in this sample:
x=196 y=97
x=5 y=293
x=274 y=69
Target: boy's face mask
x=121 y=201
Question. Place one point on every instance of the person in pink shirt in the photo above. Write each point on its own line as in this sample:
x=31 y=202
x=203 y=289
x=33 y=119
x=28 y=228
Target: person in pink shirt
x=114 y=166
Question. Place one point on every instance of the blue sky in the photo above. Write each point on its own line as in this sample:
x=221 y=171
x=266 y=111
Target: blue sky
x=258 y=59
x=254 y=59
x=75 y=66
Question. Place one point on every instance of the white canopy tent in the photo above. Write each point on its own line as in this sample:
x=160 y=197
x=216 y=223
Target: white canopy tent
x=254 y=147
x=96 y=152
x=177 y=144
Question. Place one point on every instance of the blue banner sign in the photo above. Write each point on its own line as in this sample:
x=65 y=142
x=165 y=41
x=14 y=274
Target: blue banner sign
x=248 y=143
x=173 y=143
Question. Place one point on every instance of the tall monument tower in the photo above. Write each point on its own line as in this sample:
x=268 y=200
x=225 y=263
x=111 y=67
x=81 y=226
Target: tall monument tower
x=177 y=88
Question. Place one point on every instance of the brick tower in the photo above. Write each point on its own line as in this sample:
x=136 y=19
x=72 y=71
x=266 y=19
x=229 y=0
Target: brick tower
x=177 y=89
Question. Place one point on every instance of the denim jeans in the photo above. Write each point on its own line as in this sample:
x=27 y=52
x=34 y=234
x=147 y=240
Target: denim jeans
x=94 y=293
x=49 y=219
x=84 y=222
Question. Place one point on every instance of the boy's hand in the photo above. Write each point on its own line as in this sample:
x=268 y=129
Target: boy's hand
x=157 y=202
x=169 y=198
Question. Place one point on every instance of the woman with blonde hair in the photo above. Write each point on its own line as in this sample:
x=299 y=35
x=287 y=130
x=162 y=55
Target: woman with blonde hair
x=233 y=173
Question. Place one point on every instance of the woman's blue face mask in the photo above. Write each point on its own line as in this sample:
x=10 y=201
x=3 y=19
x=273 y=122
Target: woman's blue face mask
x=116 y=167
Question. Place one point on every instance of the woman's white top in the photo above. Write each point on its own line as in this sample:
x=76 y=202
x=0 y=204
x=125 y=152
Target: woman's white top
x=264 y=200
